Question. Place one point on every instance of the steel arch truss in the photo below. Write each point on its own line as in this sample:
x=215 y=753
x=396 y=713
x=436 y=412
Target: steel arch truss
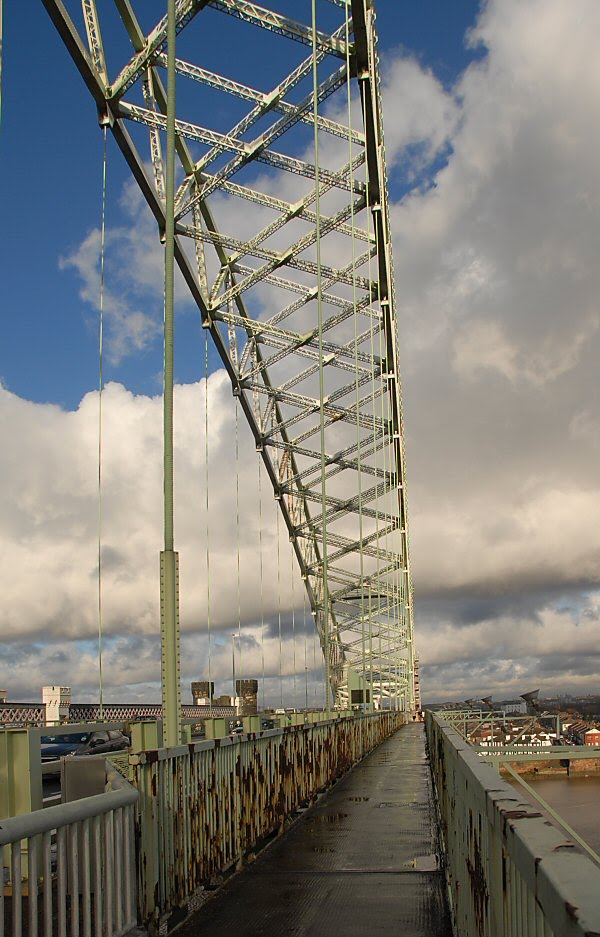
x=283 y=238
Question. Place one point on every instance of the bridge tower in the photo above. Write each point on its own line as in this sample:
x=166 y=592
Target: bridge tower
x=279 y=224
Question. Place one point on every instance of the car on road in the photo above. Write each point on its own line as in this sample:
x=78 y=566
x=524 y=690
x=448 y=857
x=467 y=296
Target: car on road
x=98 y=742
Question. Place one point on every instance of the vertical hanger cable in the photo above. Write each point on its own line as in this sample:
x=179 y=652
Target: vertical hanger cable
x=207 y=509
x=100 y=387
x=262 y=594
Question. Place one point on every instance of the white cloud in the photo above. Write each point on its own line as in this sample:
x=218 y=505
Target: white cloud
x=49 y=536
x=418 y=112
x=498 y=287
x=130 y=329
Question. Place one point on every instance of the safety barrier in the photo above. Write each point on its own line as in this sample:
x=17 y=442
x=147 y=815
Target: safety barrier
x=510 y=872
x=145 y=853
x=70 y=869
x=204 y=808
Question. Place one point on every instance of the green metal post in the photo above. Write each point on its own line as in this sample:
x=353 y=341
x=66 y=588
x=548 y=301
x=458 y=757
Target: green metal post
x=170 y=656
x=20 y=779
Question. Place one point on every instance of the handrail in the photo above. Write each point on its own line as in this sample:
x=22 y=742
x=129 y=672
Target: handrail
x=27 y=825
x=509 y=869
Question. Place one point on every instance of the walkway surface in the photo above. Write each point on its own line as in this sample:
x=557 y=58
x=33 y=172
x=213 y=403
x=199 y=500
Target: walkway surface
x=361 y=862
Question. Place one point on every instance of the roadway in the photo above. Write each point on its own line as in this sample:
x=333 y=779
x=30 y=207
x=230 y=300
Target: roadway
x=362 y=861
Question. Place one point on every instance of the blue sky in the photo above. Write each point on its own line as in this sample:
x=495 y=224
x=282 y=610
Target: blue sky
x=495 y=212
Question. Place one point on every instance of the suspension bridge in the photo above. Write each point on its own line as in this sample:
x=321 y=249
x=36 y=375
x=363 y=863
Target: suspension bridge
x=278 y=223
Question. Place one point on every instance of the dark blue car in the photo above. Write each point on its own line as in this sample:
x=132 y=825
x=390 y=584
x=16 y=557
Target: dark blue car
x=99 y=742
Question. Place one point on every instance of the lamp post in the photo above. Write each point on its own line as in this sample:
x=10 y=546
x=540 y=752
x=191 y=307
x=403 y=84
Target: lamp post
x=233 y=698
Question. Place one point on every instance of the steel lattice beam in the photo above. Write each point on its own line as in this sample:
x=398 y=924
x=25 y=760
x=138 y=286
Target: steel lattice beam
x=345 y=499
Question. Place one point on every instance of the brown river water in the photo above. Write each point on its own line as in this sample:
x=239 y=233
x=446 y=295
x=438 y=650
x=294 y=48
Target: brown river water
x=576 y=799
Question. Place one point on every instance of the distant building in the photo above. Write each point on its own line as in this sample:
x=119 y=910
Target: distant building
x=512 y=706
x=576 y=730
x=247 y=697
x=57 y=700
x=592 y=737
x=3 y=696
x=203 y=692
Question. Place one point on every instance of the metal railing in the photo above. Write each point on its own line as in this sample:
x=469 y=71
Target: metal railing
x=70 y=869
x=206 y=807
x=510 y=872
x=144 y=853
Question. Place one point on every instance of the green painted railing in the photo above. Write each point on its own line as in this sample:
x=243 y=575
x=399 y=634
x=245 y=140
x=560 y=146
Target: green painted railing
x=510 y=872
x=205 y=808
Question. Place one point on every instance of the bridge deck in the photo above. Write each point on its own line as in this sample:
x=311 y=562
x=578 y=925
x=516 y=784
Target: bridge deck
x=360 y=862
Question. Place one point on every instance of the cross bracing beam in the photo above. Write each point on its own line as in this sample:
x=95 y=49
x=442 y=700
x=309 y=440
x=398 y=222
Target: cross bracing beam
x=287 y=210
x=186 y=10
x=295 y=114
x=302 y=345
x=341 y=460
x=269 y=333
x=341 y=499
x=267 y=19
x=245 y=151
x=275 y=260
x=92 y=27
x=266 y=101
x=252 y=248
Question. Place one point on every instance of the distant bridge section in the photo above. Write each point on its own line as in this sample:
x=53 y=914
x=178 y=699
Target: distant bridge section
x=130 y=712
x=35 y=714
x=19 y=714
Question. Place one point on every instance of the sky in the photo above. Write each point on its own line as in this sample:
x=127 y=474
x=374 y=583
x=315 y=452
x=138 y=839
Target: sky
x=491 y=149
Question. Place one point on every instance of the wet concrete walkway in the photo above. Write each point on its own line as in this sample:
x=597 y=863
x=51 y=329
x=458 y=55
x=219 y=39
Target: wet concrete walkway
x=361 y=862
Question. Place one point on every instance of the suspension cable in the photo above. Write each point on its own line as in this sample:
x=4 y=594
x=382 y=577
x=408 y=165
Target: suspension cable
x=294 y=629
x=100 y=387
x=262 y=594
x=305 y=649
x=207 y=508
x=279 y=606
x=315 y=661
x=237 y=523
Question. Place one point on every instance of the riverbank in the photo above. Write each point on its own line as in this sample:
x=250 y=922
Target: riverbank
x=578 y=767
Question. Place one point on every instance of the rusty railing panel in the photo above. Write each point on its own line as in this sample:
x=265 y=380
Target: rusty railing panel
x=206 y=807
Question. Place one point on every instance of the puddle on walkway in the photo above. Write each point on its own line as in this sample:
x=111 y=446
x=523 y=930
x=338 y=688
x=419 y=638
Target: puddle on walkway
x=328 y=818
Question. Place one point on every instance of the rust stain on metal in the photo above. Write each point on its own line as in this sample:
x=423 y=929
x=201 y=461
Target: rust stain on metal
x=520 y=815
x=211 y=808
x=571 y=911
x=477 y=876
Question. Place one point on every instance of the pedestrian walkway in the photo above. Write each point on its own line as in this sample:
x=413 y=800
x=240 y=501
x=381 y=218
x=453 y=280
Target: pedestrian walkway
x=362 y=862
